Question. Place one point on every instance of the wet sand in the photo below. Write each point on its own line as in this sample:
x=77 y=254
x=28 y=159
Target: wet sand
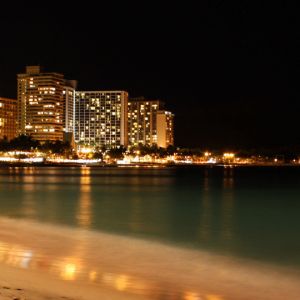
x=39 y=261
x=18 y=284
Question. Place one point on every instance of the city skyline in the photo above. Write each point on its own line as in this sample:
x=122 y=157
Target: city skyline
x=49 y=108
x=228 y=85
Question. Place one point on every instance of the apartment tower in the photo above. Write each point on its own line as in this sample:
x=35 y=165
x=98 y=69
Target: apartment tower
x=142 y=128
x=8 y=118
x=40 y=104
x=101 y=118
x=165 y=129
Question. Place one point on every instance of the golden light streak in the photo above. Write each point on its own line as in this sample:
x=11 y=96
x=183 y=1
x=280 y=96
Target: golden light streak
x=69 y=272
x=213 y=297
x=191 y=296
x=122 y=282
x=93 y=275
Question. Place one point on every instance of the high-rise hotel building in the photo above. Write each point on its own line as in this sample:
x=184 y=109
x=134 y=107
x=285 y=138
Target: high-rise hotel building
x=69 y=106
x=149 y=124
x=165 y=129
x=40 y=104
x=8 y=118
x=142 y=127
x=101 y=118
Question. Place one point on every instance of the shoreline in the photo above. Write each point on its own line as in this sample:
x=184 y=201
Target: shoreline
x=147 y=165
x=92 y=265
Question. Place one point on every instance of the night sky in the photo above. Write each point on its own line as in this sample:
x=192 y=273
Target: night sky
x=228 y=70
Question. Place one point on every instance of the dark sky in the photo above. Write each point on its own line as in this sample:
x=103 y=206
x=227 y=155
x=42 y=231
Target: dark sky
x=229 y=70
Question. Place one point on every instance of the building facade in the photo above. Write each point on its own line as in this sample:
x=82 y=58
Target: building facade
x=101 y=118
x=165 y=129
x=69 y=106
x=40 y=104
x=142 y=127
x=8 y=118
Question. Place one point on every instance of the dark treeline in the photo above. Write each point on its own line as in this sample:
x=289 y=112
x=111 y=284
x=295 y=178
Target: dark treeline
x=27 y=143
x=154 y=150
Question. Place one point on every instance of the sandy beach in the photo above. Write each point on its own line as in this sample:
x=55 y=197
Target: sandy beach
x=18 y=284
x=39 y=261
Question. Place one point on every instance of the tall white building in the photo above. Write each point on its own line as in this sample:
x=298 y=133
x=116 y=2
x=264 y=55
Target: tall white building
x=69 y=105
x=101 y=118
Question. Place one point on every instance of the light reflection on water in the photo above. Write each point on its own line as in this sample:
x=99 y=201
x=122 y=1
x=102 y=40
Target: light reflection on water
x=227 y=205
x=204 y=208
x=206 y=227
x=84 y=215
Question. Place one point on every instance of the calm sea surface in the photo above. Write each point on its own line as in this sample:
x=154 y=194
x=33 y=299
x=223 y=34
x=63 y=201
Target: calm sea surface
x=246 y=212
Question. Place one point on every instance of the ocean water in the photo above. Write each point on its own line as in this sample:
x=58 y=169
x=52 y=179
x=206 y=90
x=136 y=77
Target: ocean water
x=246 y=212
x=186 y=233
